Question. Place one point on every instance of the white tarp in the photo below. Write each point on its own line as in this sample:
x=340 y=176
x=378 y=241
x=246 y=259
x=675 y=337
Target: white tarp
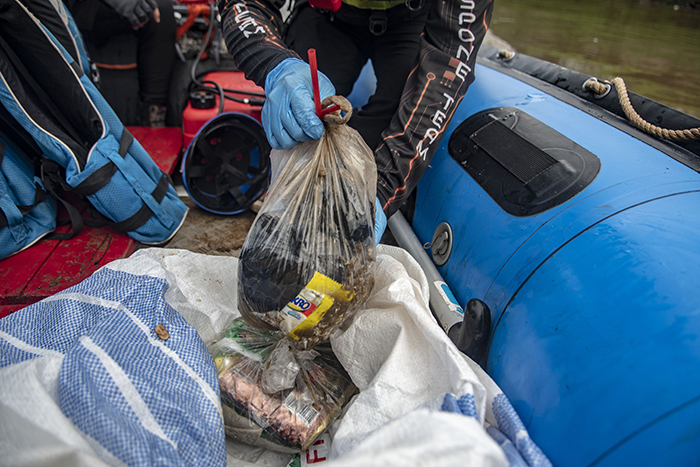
x=86 y=380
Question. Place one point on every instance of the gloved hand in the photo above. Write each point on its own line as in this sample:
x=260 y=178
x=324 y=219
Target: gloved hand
x=379 y=222
x=136 y=12
x=288 y=115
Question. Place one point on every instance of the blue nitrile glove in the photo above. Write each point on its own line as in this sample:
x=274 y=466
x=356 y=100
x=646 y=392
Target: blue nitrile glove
x=289 y=115
x=379 y=222
x=135 y=11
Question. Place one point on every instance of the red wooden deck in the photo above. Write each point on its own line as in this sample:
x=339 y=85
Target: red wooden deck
x=52 y=265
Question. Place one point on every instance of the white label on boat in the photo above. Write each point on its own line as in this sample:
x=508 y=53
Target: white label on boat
x=456 y=312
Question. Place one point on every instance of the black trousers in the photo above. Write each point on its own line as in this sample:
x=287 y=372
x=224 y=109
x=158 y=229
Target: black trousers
x=344 y=42
x=155 y=54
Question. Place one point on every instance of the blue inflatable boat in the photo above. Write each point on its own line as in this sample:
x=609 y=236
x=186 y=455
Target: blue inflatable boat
x=578 y=233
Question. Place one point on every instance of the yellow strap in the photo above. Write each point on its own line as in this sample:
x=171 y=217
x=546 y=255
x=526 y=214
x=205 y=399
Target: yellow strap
x=373 y=4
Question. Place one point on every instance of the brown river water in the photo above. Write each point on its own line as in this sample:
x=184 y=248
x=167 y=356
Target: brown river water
x=653 y=46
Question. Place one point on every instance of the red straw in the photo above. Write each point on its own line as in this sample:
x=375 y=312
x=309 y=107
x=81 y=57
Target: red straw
x=330 y=109
x=314 y=81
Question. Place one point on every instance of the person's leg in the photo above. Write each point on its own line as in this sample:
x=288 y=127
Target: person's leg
x=156 y=58
x=393 y=55
x=99 y=23
x=337 y=52
x=343 y=47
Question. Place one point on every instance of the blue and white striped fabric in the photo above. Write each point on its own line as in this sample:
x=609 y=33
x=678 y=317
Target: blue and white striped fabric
x=137 y=398
x=502 y=423
x=512 y=435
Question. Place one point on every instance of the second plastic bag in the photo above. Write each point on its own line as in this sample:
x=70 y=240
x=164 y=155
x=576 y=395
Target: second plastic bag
x=273 y=396
x=307 y=262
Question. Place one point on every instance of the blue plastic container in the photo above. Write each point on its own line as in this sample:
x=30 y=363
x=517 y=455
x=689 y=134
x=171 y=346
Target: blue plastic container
x=595 y=304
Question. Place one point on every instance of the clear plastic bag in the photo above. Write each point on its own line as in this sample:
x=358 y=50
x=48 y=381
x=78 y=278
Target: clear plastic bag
x=307 y=262
x=274 y=396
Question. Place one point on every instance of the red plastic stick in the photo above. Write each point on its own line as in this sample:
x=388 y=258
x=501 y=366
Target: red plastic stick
x=330 y=109
x=314 y=81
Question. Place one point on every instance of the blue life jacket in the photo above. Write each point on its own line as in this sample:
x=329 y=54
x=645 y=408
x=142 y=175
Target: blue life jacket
x=48 y=94
x=27 y=214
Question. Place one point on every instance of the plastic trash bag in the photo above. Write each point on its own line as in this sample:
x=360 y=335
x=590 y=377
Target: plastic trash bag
x=274 y=396
x=307 y=262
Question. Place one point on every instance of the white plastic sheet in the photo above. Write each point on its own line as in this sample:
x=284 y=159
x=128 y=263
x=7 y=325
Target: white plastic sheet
x=420 y=402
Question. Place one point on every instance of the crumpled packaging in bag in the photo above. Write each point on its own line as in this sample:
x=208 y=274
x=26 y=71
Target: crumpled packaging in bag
x=307 y=262
x=274 y=396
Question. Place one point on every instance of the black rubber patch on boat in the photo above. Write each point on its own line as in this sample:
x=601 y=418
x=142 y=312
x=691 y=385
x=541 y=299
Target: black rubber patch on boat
x=526 y=166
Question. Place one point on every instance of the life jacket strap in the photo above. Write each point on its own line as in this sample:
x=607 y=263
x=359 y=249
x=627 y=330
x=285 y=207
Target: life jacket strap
x=378 y=11
x=374 y=4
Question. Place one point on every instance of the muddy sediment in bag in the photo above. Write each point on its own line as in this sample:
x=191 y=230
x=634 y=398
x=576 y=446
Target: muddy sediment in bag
x=359 y=282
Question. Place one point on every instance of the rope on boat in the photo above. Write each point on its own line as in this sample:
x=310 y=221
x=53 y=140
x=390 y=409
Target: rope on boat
x=601 y=89
x=506 y=55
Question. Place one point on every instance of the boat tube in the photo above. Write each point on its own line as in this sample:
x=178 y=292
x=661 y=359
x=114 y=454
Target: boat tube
x=579 y=233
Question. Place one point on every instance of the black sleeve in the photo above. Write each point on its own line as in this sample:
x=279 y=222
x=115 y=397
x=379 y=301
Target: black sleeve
x=453 y=34
x=252 y=31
